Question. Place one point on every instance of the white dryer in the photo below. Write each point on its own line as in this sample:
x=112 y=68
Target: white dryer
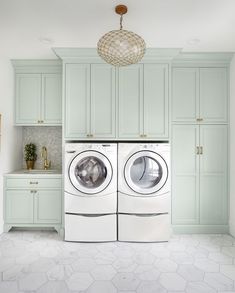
x=90 y=185
x=144 y=192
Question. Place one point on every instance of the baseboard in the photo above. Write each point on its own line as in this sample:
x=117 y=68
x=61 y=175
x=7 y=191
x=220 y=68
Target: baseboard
x=200 y=229
x=232 y=229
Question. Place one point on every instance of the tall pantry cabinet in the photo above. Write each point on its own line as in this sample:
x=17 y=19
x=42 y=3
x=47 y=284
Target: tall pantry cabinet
x=200 y=91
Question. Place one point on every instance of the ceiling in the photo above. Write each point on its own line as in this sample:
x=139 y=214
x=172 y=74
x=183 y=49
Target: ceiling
x=29 y=28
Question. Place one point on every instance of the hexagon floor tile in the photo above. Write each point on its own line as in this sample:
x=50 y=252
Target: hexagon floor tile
x=40 y=262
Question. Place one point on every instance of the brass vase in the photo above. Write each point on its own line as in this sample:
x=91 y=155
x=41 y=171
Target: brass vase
x=30 y=165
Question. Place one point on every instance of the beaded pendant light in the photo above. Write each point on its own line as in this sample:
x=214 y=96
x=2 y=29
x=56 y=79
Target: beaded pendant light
x=121 y=47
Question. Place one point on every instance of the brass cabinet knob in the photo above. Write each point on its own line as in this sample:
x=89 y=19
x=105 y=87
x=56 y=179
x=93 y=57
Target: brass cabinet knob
x=141 y=135
x=201 y=150
x=33 y=182
x=199 y=119
x=91 y=135
x=88 y=135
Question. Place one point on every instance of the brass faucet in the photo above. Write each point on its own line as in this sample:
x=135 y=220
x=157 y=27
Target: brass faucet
x=46 y=163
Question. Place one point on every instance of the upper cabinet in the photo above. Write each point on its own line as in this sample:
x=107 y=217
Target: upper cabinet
x=38 y=92
x=89 y=101
x=103 y=102
x=143 y=101
x=200 y=95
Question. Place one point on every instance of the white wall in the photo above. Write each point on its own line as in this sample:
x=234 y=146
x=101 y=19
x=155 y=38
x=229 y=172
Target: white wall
x=232 y=148
x=11 y=137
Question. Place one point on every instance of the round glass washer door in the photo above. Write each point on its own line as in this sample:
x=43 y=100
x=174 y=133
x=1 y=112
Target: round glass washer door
x=145 y=172
x=90 y=172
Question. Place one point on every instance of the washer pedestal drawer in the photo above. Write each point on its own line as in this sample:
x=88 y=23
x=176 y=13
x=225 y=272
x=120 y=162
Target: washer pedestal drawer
x=144 y=228
x=90 y=228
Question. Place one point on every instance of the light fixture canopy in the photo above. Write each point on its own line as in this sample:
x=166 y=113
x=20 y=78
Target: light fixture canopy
x=121 y=47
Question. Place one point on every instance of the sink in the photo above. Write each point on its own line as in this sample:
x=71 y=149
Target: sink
x=40 y=171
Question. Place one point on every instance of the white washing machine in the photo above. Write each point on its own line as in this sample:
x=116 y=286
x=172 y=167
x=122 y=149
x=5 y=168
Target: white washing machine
x=90 y=191
x=144 y=195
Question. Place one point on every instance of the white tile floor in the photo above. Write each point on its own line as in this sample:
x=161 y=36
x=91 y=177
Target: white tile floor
x=41 y=262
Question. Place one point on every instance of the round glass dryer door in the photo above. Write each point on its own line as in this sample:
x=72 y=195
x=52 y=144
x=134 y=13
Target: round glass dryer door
x=90 y=172
x=145 y=172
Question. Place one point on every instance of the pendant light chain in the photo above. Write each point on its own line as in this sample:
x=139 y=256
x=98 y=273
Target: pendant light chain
x=121 y=19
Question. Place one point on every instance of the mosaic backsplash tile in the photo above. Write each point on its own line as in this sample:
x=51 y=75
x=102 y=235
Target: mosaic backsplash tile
x=48 y=136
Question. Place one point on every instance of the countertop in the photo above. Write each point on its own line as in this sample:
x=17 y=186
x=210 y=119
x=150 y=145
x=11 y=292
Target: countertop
x=35 y=173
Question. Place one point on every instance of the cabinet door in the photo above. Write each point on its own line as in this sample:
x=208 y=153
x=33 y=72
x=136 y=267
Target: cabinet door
x=47 y=206
x=130 y=87
x=156 y=100
x=52 y=98
x=185 y=94
x=213 y=94
x=19 y=206
x=213 y=174
x=185 y=174
x=77 y=101
x=28 y=98
x=102 y=101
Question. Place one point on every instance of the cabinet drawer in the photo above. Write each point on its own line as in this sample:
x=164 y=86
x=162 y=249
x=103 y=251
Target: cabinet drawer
x=33 y=183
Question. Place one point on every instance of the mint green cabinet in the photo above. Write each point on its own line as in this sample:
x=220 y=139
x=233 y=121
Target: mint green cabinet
x=199 y=174
x=89 y=101
x=51 y=107
x=28 y=99
x=213 y=95
x=143 y=101
x=77 y=100
x=102 y=117
x=31 y=201
x=213 y=174
x=156 y=121
x=19 y=206
x=185 y=94
x=199 y=94
x=130 y=97
x=185 y=174
x=38 y=99
x=47 y=206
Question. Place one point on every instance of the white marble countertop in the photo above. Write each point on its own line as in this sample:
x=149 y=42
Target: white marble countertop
x=35 y=172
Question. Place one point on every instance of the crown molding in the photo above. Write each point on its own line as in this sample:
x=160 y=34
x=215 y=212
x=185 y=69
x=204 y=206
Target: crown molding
x=85 y=54
x=37 y=65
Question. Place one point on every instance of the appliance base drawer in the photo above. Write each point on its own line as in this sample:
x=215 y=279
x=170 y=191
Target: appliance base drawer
x=144 y=204
x=92 y=228
x=144 y=228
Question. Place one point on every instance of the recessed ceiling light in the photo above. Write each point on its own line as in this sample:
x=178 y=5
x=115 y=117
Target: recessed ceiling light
x=193 y=41
x=46 y=40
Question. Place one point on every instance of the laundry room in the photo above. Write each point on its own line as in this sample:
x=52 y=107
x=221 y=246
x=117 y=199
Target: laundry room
x=117 y=133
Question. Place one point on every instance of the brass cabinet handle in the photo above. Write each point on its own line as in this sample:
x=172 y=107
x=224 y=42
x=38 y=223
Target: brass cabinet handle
x=199 y=119
x=33 y=191
x=197 y=150
x=33 y=182
x=201 y=150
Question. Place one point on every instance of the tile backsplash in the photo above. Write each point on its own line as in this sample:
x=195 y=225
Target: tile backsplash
x=48 y=136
